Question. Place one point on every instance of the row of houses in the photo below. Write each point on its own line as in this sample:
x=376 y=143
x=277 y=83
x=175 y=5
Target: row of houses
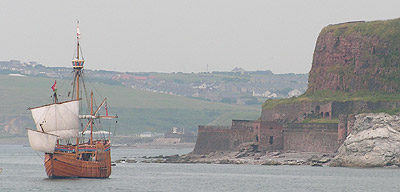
x=212 y=91
x=235 y=87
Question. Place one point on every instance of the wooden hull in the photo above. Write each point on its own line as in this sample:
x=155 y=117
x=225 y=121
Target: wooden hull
x=63 y=164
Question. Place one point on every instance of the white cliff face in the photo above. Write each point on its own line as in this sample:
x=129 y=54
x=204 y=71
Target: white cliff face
x=373 y=142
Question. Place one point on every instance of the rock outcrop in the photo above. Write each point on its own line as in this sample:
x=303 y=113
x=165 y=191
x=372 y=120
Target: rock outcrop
x=374 y=141
x=15 y=125
x=357 y=56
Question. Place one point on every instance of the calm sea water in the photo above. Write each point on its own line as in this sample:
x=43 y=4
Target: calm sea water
x=23 y=171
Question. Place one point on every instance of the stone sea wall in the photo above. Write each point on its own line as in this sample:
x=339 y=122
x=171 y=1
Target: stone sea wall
x=212 y=138
x=311 y=137
x=269 y=136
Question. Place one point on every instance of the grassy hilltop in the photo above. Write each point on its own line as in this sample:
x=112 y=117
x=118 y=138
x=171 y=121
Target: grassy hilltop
x=357 y=56
x=138 y=111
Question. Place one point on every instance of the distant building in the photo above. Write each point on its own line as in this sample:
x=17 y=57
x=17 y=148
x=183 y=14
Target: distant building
x=179 y=131
x=262 y=94
x=140 y=77
x=199 y=86
x=238 y=69
x=294 y=93
x=146 y=134
x=203 y=86
x=273 y=95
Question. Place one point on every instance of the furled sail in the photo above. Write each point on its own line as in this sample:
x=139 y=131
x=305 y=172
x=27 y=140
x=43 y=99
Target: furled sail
x=43 y=142
x=61 y=119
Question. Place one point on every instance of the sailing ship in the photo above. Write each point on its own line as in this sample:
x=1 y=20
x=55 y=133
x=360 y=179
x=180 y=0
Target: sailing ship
x=58 y=133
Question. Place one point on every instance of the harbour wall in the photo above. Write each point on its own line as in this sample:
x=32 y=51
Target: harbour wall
x=269 y=136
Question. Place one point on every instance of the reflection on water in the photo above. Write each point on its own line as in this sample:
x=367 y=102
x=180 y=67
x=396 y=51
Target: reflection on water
x=23 y=171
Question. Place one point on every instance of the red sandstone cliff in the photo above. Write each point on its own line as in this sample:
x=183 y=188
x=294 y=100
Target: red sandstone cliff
x=357 y=56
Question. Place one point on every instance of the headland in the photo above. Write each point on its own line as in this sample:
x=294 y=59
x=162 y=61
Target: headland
x=355 y=70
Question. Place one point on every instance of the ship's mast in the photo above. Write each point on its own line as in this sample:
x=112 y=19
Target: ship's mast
x=91 y=114
x=78 y=62
x=77 y=65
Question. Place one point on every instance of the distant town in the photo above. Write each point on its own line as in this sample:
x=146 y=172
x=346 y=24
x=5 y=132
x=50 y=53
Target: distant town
x=237 y=86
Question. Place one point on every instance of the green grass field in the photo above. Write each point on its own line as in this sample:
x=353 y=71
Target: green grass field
x=138 y=110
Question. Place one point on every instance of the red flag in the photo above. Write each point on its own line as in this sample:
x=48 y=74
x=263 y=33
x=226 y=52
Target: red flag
x=105 y=107
x=54 y=87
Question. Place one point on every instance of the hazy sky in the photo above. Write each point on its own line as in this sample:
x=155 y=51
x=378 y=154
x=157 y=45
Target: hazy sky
x=177 y=35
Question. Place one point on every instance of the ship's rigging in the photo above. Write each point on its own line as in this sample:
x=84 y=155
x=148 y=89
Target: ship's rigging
x=60 y=122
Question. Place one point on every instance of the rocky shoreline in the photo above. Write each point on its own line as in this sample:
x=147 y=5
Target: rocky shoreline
x=374 y=141
x=247 y=155
x=271 y=158
x=152 y=145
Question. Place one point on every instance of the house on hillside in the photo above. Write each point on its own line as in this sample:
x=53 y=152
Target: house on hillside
x=179 y=131
x=261 y=94
x=146 y=134
x=294 y=93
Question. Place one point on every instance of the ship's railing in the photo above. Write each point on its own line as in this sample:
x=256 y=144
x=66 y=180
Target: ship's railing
x=85 y=148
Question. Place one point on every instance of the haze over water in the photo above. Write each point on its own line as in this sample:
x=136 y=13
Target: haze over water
x=23 y=171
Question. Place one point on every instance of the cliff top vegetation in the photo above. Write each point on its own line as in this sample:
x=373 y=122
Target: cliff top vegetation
x=387 y=29
x=329 y=96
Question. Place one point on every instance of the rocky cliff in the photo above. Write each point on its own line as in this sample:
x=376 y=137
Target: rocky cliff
x=374 y=141
x=357 y=56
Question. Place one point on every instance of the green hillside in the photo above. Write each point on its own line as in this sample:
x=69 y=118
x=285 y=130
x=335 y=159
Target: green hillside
x=138 y=111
